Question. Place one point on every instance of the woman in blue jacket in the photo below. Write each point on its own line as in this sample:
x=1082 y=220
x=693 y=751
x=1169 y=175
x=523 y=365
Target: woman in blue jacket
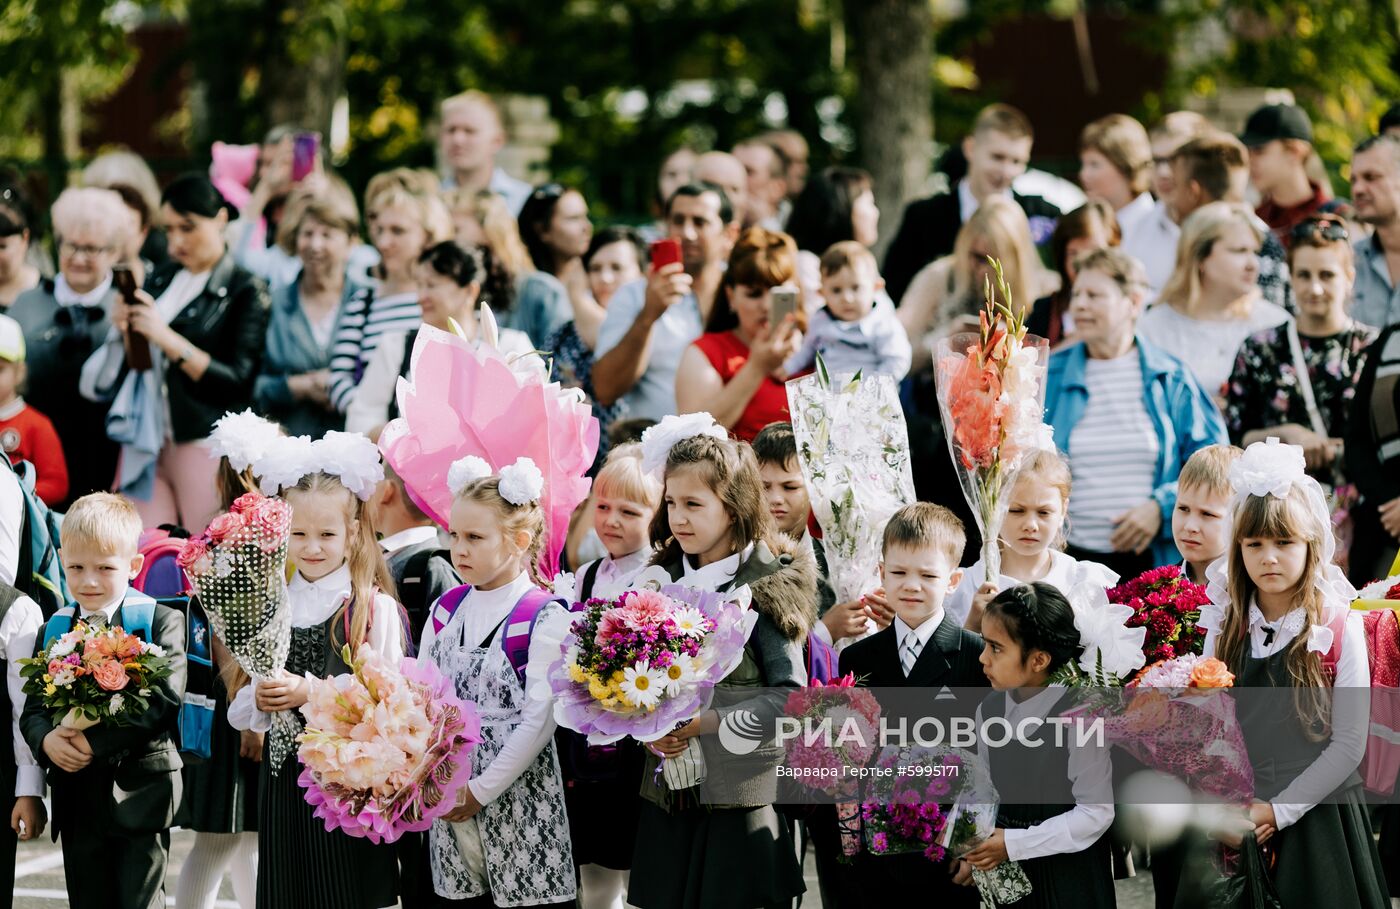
x=1128 y=415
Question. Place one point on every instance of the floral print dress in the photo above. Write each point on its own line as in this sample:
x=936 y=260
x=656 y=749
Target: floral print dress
x=1264 y=389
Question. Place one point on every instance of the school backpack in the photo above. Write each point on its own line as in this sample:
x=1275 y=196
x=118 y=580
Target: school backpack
x=821 y=660
x=39 y=573
x=518 y=625
x=161 y=575
x=1380 y=765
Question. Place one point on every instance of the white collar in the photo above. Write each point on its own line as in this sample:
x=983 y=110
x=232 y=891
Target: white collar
x=1038 y=704
x=67 y=296
x=410 y=537
x=1288 y=628
x=967 y=202
x=716 y=574
x=506 y=595
x=623 y=565
x=923 y=633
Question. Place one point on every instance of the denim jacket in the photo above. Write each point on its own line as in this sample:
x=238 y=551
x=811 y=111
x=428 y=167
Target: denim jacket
x=292 y=349
x=1184 y=417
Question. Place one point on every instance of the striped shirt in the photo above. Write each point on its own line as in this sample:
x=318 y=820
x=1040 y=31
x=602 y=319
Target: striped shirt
x=1112 y=451
x=366 y=319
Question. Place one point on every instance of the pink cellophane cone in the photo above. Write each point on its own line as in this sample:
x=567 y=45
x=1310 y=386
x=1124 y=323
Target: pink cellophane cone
x=463 y=400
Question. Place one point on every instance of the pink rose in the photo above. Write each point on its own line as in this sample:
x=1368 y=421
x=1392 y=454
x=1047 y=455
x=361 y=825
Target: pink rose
x=195 y=548
x=110 y=676
x=246 y=502
x=225 y=525
x=270 y=520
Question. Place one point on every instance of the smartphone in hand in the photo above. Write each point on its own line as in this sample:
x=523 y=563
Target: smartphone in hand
x=138 y=349
x=305 y=148
x=782 y=301
x=665 y=252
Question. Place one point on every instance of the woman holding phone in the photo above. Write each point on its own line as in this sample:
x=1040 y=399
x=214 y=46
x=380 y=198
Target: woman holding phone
x=730 y=371
x=204 y=320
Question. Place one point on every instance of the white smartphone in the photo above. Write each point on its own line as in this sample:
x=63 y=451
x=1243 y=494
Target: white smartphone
x=782 y=300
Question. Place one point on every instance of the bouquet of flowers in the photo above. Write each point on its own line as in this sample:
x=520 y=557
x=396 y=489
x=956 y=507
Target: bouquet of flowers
x=854 y=452
x=1168 y=605
x=385 y=749
x=1178 y=719
x=462 y=399
x=641 y=663
x=1112 y=644
x=238 y=567
x=94 y=675
x=991 y=394
x=936 y=801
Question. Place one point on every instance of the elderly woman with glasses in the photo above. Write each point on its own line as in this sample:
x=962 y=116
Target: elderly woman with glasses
x=66 y=319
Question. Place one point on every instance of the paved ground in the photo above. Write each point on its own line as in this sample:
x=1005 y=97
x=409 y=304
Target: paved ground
x=39 y=879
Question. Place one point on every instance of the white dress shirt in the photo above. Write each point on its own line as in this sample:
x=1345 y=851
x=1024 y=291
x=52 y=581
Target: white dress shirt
x=1091 y=778
x=410 y=537
x=11 y=523
x=922 y=633
x=967 y=202
x=1153 y=243
x=1351 y=714
x=614 y=575
x=1134 y=215
x=22 y=626
x=312 y=603
x=478 y=616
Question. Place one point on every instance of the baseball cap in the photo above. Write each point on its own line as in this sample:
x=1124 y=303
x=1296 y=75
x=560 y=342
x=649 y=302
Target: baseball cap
x=1276 y=121
x=11 y=340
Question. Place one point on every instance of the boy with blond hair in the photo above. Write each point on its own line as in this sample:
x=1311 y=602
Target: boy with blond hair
x=115 y=788
x=1201 y=518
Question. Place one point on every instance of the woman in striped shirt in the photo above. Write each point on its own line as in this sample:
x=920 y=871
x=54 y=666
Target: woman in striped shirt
x=405 y=217
x=1128 y=415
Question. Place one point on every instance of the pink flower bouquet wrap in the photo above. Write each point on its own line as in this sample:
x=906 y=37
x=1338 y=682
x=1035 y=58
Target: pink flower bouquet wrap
x=385 y=749
x=462 y=399
x=646 y=661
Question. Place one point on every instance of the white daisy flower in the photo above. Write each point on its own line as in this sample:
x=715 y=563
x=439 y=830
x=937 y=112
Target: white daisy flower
x=152 y=649
x=689 y=621
x=643 y=685
x=681 y=672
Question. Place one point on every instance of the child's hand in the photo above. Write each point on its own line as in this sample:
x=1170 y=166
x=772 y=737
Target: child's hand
x=1265 y=824
x=68 y=749
x=877 y=608
x=28 y=817
x=962 y=873
x=1231 y=830
x=669 y=746
x=467 y=806
x=989 y=853
x=250 y=745
x=286 y=693
x=845 y=620
x=984 y=595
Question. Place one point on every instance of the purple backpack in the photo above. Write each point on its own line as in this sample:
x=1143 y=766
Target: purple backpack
x=518 y=625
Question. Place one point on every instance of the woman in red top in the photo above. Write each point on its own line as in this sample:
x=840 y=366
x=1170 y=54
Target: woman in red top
x=729 y=370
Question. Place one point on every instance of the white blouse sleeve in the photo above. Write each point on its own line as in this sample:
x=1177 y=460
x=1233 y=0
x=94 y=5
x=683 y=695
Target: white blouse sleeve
x=369 y=401
x=1351 y=713
x=386 y=630
x=243 y=713
x=1091 y=777
x=536 y=726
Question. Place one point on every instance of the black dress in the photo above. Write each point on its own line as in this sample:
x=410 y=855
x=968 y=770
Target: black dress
x=1069 y=880
x=300 y=864
x=1329 y=857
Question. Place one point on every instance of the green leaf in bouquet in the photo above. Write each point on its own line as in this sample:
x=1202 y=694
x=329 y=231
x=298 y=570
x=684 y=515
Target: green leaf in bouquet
x=823 y=376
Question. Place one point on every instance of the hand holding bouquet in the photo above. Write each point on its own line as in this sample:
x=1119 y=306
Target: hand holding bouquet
x=385 y=750
x=94 y=675
x=238 y=567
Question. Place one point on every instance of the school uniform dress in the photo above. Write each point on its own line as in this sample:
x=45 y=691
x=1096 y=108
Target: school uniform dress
x=114 y=815
x=1065 y=573
x=1326 y=853
x=515 y=850
x=300 y=864
x=942 y=656
x=600 y=781
x=738 y=854
x=1060 y=840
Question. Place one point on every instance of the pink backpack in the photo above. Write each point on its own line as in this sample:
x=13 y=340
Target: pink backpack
x=160 y=575
x=1380 y=766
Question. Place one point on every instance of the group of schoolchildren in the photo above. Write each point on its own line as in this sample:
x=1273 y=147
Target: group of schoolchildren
x=547 y=820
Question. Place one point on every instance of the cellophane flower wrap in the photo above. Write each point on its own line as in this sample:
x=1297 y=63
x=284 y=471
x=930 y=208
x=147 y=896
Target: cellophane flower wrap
x=386 y=748
x=854 y=451
x=937 y=801
x=1168 y=604
x=643 y=662
x=465 y=399
x=991 y=394
x=238 y=567
x=93 y=675
x=1178 y=718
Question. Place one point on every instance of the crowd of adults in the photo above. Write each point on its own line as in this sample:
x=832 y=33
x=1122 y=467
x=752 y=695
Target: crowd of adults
x=1205 y=287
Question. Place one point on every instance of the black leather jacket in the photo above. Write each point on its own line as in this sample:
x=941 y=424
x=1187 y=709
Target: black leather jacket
x=228 y=321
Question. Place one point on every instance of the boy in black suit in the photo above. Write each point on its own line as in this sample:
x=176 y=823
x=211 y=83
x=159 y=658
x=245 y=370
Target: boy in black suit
x=114 y=788
x=923 y=648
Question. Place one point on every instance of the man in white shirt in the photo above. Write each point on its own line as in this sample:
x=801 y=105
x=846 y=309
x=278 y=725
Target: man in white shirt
x=472 y=135
x=11 y=523
x=1153 y=242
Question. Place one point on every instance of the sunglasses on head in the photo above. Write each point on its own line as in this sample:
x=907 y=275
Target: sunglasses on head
x=547 y=191
x=1327 y=229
